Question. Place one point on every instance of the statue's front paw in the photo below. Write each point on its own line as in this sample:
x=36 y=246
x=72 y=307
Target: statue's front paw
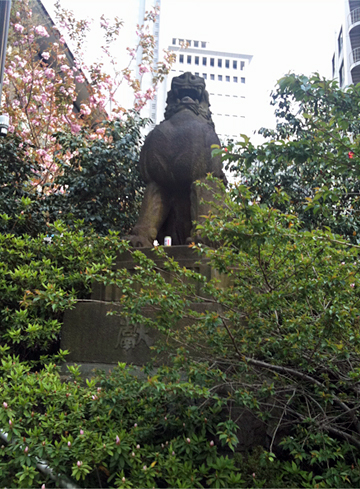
x=139 y=241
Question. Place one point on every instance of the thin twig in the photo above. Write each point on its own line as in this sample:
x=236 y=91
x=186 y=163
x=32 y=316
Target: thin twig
x=280 y=420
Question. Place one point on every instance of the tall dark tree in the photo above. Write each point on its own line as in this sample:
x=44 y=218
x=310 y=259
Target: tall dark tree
x=101 y=185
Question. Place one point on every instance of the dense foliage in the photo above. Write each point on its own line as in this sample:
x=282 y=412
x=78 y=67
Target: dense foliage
x=312 y=154
x=116 y=431
x=101 y=185
x=17 y=190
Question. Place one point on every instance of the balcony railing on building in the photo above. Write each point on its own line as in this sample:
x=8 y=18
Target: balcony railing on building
x=355 y=56
x=355 y=65
x=354 y=16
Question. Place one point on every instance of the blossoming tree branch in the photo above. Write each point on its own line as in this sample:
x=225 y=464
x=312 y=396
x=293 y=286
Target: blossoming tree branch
x=42 y=76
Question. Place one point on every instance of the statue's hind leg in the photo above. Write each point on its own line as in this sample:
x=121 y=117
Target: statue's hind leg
x=203 y=201
x=154 y=210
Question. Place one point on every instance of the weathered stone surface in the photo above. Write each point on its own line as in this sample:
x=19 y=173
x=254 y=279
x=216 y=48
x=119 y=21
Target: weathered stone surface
x=91 y=335
x=176 y=153
x=185 y=256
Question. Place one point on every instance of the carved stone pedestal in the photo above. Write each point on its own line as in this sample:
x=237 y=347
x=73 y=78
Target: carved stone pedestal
x=92 y=336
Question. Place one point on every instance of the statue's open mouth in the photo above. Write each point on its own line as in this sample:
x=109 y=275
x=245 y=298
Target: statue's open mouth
x=186 y=93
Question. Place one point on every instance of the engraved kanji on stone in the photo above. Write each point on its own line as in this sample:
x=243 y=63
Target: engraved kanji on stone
x=130 y=335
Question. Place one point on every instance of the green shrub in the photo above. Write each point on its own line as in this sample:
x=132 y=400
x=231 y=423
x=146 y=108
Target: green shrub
x=40 y=278
x=118 y=430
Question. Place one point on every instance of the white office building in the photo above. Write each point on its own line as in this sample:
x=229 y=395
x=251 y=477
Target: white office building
x=225 y=74
x=346 y=58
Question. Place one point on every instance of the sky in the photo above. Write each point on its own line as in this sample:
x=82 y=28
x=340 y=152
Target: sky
x=282 y=35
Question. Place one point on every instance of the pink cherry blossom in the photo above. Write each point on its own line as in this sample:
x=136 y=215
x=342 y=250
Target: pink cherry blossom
x=41 y=31
x=19 y=28
x=45 y=55
x=49 y=73
x=85 y=110
x=75 y=129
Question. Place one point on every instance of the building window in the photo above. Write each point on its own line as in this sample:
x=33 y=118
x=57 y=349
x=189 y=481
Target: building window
x=196 y=44
x=188 y=42
x=242 y=65
x=235 y=79
x=341 y=74
x=212 y=61
x=204 y=61
x=333 y=66
x=188 y=59
x=227 y=63
x=242 y=80
x=181 y=58
x=174 y=41
x=196 y=60
x=204 y=76
x=181 y=41
x=203 y=44
x=235 y=65
x=219 y=62
x=340 y=41
x=212 y=77
x=220 y=77
x=197 y=74
x=227 y=78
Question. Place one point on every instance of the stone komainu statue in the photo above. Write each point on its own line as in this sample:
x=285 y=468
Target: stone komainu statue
x=176 y=153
